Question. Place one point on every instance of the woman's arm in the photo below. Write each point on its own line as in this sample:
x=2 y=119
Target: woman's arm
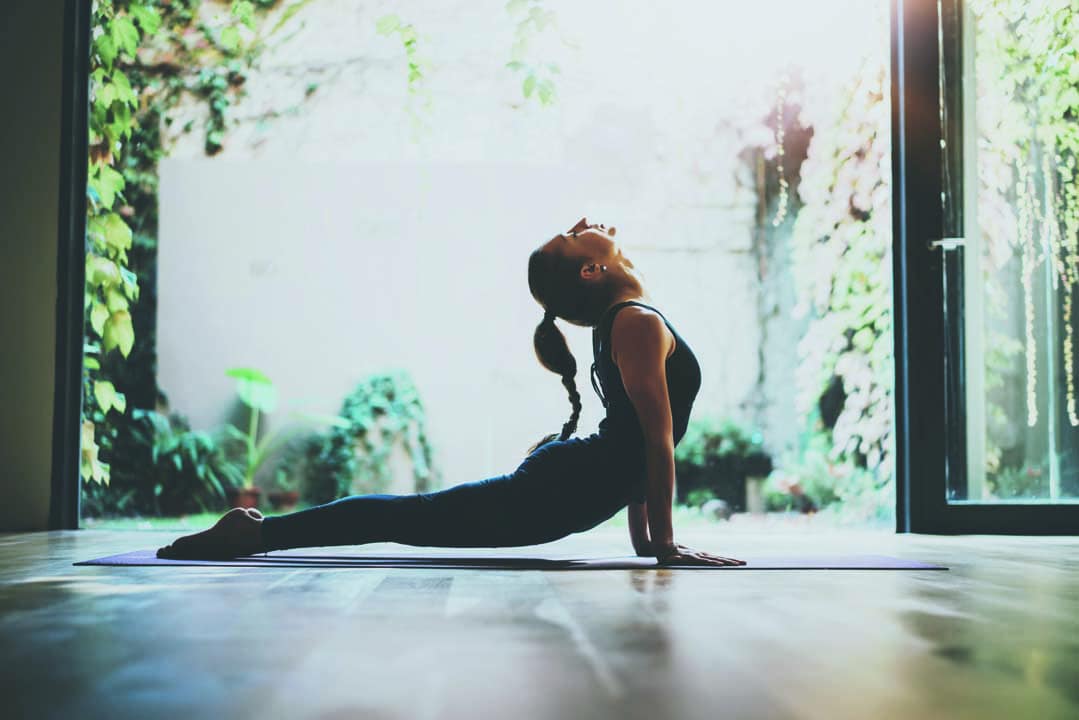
x=640 y=345
x=638 y=529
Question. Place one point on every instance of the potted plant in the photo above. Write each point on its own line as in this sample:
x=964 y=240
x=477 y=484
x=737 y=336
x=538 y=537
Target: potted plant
x=383 y=412
x=257 y=392
x=725 y=458
x=290 y=468
x=284 y=496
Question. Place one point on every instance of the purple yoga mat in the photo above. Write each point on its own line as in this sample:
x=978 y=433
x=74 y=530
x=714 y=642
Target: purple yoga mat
x=510 y=562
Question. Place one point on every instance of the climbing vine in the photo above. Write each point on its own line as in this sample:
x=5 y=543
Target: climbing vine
x=146 y=56
x=418 y=69
x=111 y=286
x=537 y=77
x=842 y=258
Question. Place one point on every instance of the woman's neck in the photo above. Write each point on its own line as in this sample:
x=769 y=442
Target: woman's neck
x=626 y=296
x=623 y=296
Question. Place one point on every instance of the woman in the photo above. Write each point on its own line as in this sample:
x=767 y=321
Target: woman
x=566 y=485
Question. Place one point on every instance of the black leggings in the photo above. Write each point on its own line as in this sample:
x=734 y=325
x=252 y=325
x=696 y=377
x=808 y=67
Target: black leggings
x=564 y=487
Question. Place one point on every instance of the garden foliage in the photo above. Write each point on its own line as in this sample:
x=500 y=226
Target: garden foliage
x=382 y=413
x=146 y=56
x=1027 y=75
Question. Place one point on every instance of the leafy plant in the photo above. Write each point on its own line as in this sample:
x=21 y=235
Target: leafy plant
x=383 y=412
x=537 y=78
x=717 y=456
x=145 y=56
x=178 y=470
x=111 y=287
x=193 y=468
x=696 y=498
x=291 y=464
x=842 y=260
x=283 y=479
x=257 y=392
x=418 y=69
x=709 y=439
x=813 y=479
x=406 y=32
x=1031 y=481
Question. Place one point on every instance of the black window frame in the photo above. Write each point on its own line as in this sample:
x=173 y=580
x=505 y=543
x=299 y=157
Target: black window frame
x=71 y=268
x=930 y=435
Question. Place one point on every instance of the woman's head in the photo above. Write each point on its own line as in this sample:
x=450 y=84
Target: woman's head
x=579 y=273
x=576 y=276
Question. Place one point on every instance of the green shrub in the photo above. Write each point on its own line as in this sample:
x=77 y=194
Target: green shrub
x=1026 y=482
x=696 y=498
x=173 y=470
x=814 y=479
x=383 y=412
x=716 y=456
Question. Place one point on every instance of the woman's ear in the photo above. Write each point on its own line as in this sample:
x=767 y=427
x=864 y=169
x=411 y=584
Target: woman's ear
x=589 y=271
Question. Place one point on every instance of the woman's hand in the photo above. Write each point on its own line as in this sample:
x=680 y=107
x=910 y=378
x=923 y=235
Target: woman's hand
x=676 y=554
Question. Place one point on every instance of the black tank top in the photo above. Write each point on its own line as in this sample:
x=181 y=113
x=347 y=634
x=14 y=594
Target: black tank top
x=621 y=425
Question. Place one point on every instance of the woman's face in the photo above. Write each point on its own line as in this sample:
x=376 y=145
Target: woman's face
x=588 y=241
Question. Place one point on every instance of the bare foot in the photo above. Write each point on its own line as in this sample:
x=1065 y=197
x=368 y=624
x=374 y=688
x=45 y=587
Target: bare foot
x=238 y=532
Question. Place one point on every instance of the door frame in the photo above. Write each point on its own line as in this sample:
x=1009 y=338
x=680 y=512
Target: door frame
x=929 y=448
x=71 y=268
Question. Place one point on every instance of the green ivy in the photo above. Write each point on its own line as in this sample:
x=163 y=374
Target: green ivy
x=842 y=260
x=537 y=78
x=143 y=60
x=383 y=412
x=418 y=69
x=406 y=33
x=186 y=471
x=111 y=286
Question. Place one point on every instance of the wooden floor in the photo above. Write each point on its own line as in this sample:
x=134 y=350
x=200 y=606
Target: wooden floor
x=996 y=637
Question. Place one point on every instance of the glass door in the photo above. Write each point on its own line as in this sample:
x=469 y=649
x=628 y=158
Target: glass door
x=1010 y=122
x=986 y=145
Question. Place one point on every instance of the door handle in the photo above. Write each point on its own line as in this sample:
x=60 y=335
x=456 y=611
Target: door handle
x=950 y=243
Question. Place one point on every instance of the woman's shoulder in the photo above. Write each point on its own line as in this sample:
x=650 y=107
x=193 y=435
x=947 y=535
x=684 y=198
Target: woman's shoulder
x=638 y=323
x=631 y=309
x=638 y=316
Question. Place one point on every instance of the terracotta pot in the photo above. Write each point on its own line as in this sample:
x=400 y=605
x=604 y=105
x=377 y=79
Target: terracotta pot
x=243 y=497
x=284 y=500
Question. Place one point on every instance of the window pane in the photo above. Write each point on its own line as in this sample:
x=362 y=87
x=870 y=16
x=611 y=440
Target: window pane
x=1021 y=263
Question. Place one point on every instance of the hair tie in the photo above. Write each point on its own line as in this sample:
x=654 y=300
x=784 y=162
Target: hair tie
x=548 y=316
